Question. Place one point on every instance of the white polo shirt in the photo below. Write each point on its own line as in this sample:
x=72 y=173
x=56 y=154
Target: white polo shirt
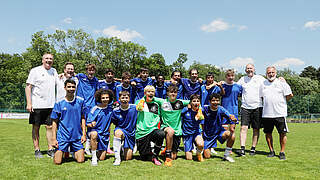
x=274 y=98
x=250 y=91
x=43 y=87
x=61 y=92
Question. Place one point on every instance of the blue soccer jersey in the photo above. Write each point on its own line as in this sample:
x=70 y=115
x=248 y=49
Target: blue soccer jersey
x=68 y=114
x=180 y=90
x=159 y=91
x=102 y=117
x=230 y=99
x=103 y=84
x=120 y=88
x=86 y=89
x=139 y=88
x=205 y=93
x=190 y=88
x=190 y=126
x=212 y=124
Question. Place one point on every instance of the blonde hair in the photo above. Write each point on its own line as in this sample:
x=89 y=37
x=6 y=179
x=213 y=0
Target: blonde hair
x=149 y=88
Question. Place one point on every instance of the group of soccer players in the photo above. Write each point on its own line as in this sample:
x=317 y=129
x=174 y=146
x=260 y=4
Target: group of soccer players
x=146 y=111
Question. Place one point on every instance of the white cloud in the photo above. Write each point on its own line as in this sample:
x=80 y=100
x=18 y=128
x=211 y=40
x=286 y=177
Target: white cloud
x=313 y=25
x=12 y=40
x=286 y=62
x=55 y=28
x=126 y=35
x=68 y=20
x=240 y=62
x=220 y=25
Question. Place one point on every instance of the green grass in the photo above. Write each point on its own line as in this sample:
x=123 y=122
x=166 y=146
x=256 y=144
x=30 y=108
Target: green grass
x=303 y=160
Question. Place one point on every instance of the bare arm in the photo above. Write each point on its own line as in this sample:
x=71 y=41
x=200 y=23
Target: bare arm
x=288 y=97
x=28 y=97
x=83 y=127
x=54 y=133
x=222 y=89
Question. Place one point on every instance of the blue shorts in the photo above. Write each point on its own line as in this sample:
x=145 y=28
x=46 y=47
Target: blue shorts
x=103 y=141
x=74 y=146
x=129 y=139
x=212 y=142
x=189 y=140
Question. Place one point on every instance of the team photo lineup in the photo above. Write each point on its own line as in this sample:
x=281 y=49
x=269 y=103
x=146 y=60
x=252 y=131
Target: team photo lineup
x=152 y=115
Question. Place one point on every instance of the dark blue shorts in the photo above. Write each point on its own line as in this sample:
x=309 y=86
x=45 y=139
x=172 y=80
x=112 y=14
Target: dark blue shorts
x=212 y=142
x=74 y=146
x=189 y=140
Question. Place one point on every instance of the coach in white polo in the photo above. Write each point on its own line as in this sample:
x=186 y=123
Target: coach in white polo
x=40 y=95
x=251 y=107
x=275 y=94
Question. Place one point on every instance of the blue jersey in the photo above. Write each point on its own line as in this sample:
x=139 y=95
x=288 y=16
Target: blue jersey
x=139 y=88
x=159 y=91
x=68 y=114
x=86 y=89
x=180 y=90
x=120 y=88
x=190 y=88
x=205 y=93
x=230 y=99
x=190 y=125
x=102 y=118
x=103 y=84
x=212 y=124
x=125 y=119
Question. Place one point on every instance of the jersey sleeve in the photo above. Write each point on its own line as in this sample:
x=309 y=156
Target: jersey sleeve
x=225 y=113
x=185 y=102
x=56 y=112
x=286 y=89
x=158 y=100
x=92 y=115
x=31 y=77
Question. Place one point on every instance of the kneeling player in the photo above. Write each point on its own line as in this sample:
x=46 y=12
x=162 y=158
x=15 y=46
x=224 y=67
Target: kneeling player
x=191 y=120
x=124 y=118
x=98 y=124
x=212 y=127
x=68 y=118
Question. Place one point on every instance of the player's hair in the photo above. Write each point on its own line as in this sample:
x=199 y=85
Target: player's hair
x=69 y=81
x=229 y=71
x=68 y=63
x=100 y=92
x=106 y=71
x=159 y=76
x=194 y=96
x=46 y=54
x=175 y=72
x=149 y=88
x=193 y=69
x=269 y=67
x=126 y=75
x=143 y=69
x=124 y=93
x=214 y=95
x=249 y=64
x=209 y=74
x=90 y=66
x=172 y=88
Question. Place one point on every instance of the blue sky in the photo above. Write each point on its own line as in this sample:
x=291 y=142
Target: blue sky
x=225 y=33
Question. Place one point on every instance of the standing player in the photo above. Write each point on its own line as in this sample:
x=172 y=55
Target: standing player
x=68 y=119
x=140 y=83
x=212 y=127
x=124 y=118
x=192 y=85
x=210 y=87
x=98 y=123
x=147 y=126
x=109 y=82
x=40 y=95
x=191 y=128
x=176 y=80
x=230 y=101
x=68 y=73
x=125 y=86
x=275 y=94
x=159 y=85
x=251 y=107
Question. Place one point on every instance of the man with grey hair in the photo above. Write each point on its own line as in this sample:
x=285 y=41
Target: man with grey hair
x=275 y=94
x=251 y=107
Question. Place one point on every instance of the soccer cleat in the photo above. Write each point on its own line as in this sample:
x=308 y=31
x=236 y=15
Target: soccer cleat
x=271 y=154
x=38 y=154
x=228 y=158
x=109 y=151
x=282 y=156
x=168 y=162
x=200 y=157
x=117 y=162
x=50 y=153
x=156 y=161
x=94 y=162
x=252 y=152
x=87 y=151
x=242 y=152
x=163 y=152
x=213 y=152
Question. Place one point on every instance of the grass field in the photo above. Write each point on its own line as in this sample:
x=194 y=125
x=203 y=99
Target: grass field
x=303 y=160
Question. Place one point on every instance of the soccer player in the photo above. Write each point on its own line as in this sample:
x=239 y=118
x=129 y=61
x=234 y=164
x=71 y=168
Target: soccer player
x=212 y=127
x=125 y=86
x=40 y=95
x=68 y=73
x=68 y=124
x=275 y=94
x=87 y=86
x=140 y=83
x=109 y=82
x=171 y=122
x=98 y=123
x=251 y=107
x=210 y=87
x=159 y=85
x=192 y=85
x=191 y=128
x=124 y=118
x=147 y=126
x=230 y=101
x=176 y=80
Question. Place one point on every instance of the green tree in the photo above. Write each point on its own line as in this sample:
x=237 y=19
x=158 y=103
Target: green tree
x=157 y=65
x=309 y=72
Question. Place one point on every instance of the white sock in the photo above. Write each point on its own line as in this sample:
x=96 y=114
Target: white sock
x=88 y=144
x=116 y=147
x=94 y=154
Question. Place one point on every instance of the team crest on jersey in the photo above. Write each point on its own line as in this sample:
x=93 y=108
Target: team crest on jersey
x=178 y=105
x=188 y=114
x=166 y=106
x=65 y=108
x=153 y=108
